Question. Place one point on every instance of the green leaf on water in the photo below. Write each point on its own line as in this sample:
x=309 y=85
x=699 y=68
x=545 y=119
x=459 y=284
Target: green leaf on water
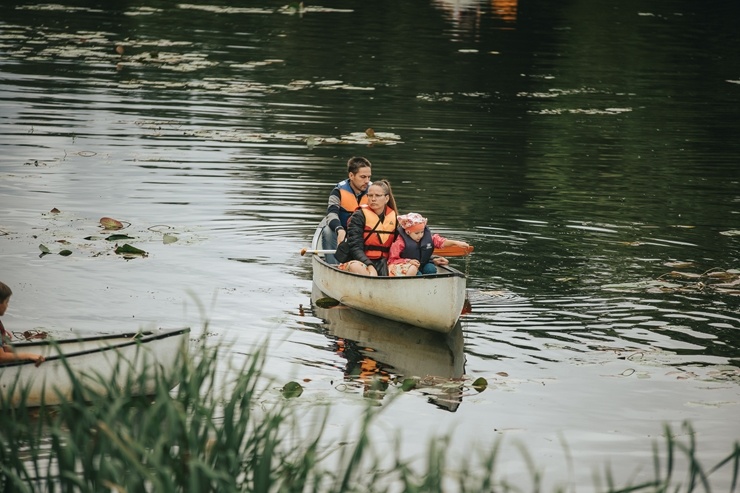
x=292 y=389
x=65 y=253
x=409 y=384
x=480 y=384
x=44 y=248
x=128 y=249
x=168 y=238
x=326 y=302
x=119 y=237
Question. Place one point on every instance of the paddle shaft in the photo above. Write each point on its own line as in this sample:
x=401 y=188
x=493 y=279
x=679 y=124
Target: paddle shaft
x=450 y=251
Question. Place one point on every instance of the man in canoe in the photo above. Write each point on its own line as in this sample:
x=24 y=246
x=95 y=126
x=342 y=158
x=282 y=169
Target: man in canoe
x=7 y=353
x=411 y=253
x=344 y=199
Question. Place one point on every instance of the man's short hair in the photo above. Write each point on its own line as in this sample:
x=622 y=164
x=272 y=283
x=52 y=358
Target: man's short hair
x=356 y=162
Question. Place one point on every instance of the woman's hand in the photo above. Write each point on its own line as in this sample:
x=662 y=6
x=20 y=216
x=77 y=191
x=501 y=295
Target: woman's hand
x=440 y=261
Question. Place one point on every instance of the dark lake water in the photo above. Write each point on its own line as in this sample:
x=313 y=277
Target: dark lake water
x=588 y=150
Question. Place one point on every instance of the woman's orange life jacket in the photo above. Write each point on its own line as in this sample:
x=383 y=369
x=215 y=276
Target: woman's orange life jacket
x=379 y=235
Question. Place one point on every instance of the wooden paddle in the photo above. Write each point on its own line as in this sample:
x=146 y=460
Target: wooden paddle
x=454 y=251
x=450 y=251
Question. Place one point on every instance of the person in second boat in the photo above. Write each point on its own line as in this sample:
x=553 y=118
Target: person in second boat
x=7 y=353
x=412 y=252
x=371 y=230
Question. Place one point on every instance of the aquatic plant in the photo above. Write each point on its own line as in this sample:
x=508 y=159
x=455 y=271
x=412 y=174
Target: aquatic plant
x=231 y=432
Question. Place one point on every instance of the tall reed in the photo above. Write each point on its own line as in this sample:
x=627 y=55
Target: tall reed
x=217 y=432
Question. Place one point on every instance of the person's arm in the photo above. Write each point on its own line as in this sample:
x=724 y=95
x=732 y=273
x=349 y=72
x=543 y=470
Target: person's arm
x=332 y=211
x=7 y=354
x=356 y=237
x=441 y=242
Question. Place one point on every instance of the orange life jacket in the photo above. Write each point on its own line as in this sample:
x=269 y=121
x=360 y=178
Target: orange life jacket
x=379 y=235
x=348 y=202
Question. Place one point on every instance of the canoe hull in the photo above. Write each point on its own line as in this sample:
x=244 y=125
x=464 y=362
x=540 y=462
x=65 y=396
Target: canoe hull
x=127 y=361
x=432 y=302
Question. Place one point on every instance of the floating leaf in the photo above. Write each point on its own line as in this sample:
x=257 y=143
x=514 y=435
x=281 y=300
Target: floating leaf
x=119 y=237
x=326 y=302
x=168 y=238
x=640 y=285
x=44 y=248
x=128 y=249
x=679 y=264
x=480 y=384
x=292 y=389
x=110 y=223
x=35 y=334
x=409 y=384
x=55 y=211
x=684 y=275
x=65 y=253
x=723 y=275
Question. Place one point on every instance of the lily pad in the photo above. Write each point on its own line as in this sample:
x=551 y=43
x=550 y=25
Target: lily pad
x=110 y=223
x=292 y=389
x=480 y=384
x=127 y=249
x=409 y=384
x=326 y=302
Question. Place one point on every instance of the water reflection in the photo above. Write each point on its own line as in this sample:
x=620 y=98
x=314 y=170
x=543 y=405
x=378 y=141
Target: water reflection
x=466 y=15
x=379 y=351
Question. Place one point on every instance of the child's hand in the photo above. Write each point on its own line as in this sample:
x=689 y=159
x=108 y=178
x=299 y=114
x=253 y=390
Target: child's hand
x=440 y=261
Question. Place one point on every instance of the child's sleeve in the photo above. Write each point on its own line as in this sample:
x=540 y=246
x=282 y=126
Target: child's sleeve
x=438 y=241
x=395 y=253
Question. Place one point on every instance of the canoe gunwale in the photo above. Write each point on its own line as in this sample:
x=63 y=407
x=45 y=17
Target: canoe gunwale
x=126 y=339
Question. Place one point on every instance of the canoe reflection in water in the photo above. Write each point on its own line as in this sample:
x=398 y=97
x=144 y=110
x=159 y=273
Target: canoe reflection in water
x=380 y=351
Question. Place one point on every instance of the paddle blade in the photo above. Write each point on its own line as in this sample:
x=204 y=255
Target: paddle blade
x=453 y=251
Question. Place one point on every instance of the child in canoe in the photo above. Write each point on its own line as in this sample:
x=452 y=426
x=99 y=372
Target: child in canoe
x=411 y=253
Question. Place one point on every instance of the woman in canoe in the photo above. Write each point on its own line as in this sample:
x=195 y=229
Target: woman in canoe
x=411 y=253
x=371 y=230
x=6 y=352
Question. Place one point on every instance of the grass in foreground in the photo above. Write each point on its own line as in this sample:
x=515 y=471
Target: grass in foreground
x=209 y=437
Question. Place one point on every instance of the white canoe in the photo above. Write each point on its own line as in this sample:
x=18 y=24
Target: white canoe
x=129 y=361
x=432 y=302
